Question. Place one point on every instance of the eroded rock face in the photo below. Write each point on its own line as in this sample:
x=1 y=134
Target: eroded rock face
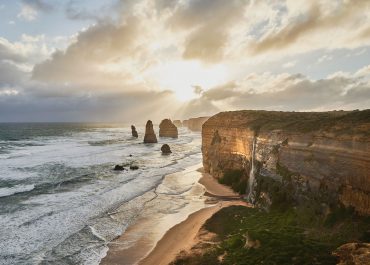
x=150 y=136
x=166 y=149
x=134 y=132
x=195 y=124
x=168 y=129
x=177 y=123
x=353 y=254
x=321 y=155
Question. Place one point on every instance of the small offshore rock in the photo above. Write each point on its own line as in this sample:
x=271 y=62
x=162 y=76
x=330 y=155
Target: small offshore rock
x=166 y=149
x=134 y=132
x=119 y=168
x=134 y=167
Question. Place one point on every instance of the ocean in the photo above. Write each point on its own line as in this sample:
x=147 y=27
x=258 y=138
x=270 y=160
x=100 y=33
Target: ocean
x=59 y=194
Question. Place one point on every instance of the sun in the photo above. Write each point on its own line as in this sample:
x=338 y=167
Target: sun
x=182 y=76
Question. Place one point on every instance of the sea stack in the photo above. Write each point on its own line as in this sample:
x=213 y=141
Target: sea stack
x=150 y=136
x=168 y=129
x=134 y=132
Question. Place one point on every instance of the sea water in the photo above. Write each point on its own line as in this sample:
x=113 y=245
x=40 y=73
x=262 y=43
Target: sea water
x=58 y=190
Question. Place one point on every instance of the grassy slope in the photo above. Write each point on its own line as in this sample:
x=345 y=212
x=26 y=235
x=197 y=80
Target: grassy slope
x=285 y=236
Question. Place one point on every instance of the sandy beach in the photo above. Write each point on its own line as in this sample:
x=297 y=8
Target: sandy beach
x=179 y=231
x=183 y=236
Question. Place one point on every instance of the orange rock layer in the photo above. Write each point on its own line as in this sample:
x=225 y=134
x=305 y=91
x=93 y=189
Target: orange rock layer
x=326 y=155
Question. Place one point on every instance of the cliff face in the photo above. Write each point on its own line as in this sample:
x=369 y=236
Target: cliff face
x=195 y=124
x=298 y=156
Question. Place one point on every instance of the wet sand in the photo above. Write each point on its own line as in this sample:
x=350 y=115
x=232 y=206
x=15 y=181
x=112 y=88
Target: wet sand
x=183 y=236
x=166 y=236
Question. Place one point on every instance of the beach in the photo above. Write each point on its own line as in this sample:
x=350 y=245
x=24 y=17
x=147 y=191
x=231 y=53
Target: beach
x=176 y=232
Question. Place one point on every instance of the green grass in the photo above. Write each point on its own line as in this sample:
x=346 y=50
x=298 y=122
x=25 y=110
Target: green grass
x=285 y=237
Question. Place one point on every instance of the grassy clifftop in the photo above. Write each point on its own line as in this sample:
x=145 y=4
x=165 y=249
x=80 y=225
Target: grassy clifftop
x=340 y=122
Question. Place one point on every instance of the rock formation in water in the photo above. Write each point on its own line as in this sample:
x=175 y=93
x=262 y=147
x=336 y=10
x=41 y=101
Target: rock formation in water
x=292 y=156
x=353 y=254
x=134 y=132
x=119 y=168
x=177 y=123
x=166 y=149
x=195 y=124
x=167 y=129
x=150 y=136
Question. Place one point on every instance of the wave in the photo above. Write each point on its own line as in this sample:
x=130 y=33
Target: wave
x=5 y=192
x=106 y=142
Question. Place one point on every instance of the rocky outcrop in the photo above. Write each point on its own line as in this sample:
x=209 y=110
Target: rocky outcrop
x=177 y=123
x=167 y=129
x=119 y=168
x=296 y=156
x=166 y=149
x=150 y=136
x=195 y=124
x=134 y=132
x=353 y=254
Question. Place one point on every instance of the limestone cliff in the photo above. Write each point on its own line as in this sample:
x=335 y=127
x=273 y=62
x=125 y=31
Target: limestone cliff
x=167 y=129
x=296 y=156
x=195 y=124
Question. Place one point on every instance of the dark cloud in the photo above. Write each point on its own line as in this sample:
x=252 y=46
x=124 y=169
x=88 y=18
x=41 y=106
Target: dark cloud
x=209 y=22
x=312 y=21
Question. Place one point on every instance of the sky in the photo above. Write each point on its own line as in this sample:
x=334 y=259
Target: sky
x=133 y=60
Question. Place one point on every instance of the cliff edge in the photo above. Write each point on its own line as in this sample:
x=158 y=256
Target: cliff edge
x=283 y=157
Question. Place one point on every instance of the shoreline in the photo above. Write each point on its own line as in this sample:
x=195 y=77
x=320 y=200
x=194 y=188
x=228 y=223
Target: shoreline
x=183 y=236
x=159 y=238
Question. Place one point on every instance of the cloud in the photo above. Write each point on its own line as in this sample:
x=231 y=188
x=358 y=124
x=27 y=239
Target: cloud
x=88 y=60
x=297 y=92
x=209 y=23
x=30 y=9
x=316 y=26
x=110 y=70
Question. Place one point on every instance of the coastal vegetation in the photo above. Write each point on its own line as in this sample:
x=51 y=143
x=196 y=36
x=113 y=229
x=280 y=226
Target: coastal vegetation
x=253 y=236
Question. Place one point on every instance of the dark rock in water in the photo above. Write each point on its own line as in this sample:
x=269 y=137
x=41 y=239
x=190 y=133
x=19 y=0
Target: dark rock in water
x=134 y=132
x=119 y=168
x=130 y=155
x=168 y=129
x=150 y=136
x=134 y=167
x=166 y=149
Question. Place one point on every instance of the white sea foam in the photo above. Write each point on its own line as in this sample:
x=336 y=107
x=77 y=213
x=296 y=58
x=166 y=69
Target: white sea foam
x=4 y=192
x=76 y=188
